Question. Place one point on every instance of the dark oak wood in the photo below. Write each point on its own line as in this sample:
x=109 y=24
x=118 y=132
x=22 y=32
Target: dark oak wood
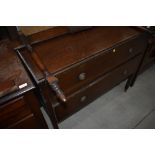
x=20 y=107
x=49 y=99
x=89 y=93
x=13 y=111
x=13 y=114
x=149 y=58
x=64 y=51
x=28 y=122
x=108 y=59
x=61 y=52
x=48 y=34
x=150 y=55
x=87 y=64
x=7 y=87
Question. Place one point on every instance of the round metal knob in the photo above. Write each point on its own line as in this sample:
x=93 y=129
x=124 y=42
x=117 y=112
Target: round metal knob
x=83 y=98
x=82 y=76
x=130 y=50
x=114 y=50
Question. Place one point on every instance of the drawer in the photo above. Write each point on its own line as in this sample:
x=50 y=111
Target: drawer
x=75 y=77
x=89 y=93
x=28 y=122
x=13 y=111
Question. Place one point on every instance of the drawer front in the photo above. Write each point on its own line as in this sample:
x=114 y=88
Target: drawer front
x=86 y=95
x=74 y=78
x=23 y=112
x=13 y=112
x=28 y=122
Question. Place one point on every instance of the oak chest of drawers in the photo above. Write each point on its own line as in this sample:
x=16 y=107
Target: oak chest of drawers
x=86 y=63
x=19 y=105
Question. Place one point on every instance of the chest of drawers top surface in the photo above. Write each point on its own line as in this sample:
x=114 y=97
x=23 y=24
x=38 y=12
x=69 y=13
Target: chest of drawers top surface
x=12 y=74
x=64 y=51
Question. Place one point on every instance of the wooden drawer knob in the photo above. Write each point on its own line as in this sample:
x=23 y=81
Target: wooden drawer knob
x=83 y=98
x=82 y=76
